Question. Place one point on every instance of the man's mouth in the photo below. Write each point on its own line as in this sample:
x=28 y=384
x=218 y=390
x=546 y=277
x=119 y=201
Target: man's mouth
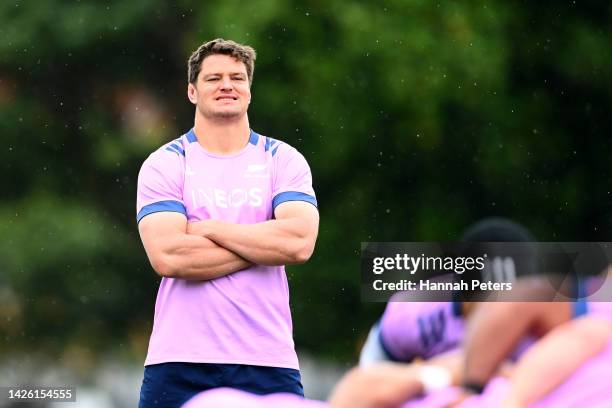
x=232 y=98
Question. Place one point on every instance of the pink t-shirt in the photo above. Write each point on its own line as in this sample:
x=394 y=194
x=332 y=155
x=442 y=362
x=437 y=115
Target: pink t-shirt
x=232 y=398
x=588 y=386
x=244 y=317
x=410 y=330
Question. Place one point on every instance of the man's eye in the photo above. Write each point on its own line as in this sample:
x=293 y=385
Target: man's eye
x=211 y=79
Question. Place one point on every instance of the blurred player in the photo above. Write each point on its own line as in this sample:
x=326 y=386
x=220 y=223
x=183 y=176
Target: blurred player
x=554 y=359
x=409 y=330
x=496 y=329
x=569 y=367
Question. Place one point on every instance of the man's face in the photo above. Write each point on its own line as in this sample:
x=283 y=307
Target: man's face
x=222 y=89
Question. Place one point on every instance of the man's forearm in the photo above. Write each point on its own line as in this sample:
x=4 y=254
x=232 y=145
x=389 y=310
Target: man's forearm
x=381 y=385
x=555 y=358
x=275 y=242
x=194 y=257
x=494 y=331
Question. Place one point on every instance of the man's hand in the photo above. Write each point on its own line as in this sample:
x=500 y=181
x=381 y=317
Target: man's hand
x=385 y=385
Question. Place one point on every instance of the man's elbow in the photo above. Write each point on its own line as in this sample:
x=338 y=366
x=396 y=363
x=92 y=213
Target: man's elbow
x=163 y=267
x=302 y=252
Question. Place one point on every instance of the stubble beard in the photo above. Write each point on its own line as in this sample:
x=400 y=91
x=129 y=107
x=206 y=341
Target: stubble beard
x=222 y=115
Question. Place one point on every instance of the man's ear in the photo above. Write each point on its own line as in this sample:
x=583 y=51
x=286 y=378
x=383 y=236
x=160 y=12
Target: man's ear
x=192 y=93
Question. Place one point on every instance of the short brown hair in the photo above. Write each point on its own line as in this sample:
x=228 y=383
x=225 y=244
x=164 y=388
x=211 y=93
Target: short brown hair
x=241 y=52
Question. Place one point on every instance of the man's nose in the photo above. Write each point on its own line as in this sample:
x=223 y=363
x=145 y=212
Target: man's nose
x=226 y=83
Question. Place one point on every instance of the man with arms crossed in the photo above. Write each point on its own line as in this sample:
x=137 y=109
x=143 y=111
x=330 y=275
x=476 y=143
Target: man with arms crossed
x=220 y=210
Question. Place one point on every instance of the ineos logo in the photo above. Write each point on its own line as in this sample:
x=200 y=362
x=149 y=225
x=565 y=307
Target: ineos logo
x=234 y=198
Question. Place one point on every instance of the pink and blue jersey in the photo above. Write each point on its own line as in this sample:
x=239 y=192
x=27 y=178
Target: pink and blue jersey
x=244 y=317
x=410 y=330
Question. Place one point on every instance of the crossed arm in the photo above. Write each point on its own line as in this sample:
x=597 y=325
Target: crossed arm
x=288 y=239
x=210 y=249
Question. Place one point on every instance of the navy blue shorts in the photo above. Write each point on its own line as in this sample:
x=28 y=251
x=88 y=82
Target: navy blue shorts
x=170 y=385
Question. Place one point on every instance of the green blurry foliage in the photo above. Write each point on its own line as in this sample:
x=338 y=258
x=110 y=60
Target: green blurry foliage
x=417 y=118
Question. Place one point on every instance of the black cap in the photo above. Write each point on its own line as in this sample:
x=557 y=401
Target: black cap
x=497 y=229
x=504 y=262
